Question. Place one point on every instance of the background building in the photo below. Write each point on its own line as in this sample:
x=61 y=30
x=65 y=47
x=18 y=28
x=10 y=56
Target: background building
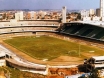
x=98 y=12
x=91 y=12
x=33 y=15
x=19 y=15
x=41 y=14
x=84 y=13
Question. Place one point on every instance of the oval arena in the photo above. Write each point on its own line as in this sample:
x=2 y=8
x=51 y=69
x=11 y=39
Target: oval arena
x=68 y=31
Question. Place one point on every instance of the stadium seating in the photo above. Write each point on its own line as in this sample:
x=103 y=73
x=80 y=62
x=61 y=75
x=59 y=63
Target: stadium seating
x=99 y=35
x=87 y=32
x=27 y=26
x=76 y=29
x=84 y=30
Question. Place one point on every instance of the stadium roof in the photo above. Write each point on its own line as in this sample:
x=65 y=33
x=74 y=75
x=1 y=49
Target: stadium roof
x=96 y=23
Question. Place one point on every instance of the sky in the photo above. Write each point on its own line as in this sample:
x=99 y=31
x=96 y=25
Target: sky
x=49 y=4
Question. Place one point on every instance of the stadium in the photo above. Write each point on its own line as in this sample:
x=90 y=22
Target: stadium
x=89 y=43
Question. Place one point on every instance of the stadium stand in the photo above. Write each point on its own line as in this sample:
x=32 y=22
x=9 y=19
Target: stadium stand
x=83 y=30
x=27 y=26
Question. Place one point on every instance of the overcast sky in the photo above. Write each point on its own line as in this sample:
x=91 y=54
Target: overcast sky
x=49 y=4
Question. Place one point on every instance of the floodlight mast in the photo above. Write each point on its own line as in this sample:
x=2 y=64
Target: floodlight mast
x=101 y=8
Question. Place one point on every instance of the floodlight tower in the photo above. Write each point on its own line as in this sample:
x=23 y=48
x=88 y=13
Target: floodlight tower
x=64 y=14
x=101 y=8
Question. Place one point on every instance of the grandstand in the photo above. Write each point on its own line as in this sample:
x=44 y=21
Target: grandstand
x=9 y=27
x=85 y=30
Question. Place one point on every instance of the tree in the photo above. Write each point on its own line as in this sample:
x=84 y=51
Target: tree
x=4 y=15
x=79 y=16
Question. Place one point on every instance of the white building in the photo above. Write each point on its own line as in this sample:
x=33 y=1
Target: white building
x=84 y=13
x=97 y=61
x=96 y=18
x=91 y=12
x=19 y=15
x=64 y=14
x=86 y=18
